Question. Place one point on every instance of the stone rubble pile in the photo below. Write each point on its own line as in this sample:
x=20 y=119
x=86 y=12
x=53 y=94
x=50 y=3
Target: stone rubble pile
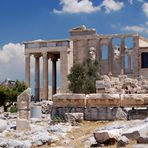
x=122 y=133
x=45 y=105
x=41 y=133
x=122 y=85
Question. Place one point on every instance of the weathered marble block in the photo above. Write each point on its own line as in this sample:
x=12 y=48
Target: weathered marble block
x=102 y=100
x=23 y=107
x=133 y=100
x=69 y=100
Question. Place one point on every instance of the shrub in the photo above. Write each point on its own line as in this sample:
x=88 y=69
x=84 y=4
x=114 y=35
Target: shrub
x=83 y=77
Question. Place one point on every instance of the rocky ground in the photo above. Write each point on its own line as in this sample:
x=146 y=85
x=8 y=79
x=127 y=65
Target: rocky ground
x=76 y=134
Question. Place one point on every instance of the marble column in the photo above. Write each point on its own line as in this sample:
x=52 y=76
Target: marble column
x=122 y=55
x=27 y=69
x=54 y=79
x=129 y=62
x=37 y=77
x=98 y=51
x=63 y=71
x=110 y=50
x=45 y=76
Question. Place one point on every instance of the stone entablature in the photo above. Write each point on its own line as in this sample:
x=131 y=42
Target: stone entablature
x=111 y=64
x=50 y=43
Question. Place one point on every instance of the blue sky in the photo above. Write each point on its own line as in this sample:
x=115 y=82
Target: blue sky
x=23 y=20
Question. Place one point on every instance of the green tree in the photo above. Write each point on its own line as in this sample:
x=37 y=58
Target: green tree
x=9 y=95
x=83 y=77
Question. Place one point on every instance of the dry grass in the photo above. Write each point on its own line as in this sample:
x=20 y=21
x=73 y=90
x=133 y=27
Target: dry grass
x=78 y=135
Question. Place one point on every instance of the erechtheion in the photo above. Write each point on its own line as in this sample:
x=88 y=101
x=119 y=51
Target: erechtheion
x=116 y=53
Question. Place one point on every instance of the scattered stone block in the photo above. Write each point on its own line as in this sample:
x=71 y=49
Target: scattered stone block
x=119 y=113
x=135 y=132
x=107 y=136
x=36 y=112
x=134 y=135
x=143 y=140
x=137 y=114
x=100 y=87
x=122 y=141
x=22 y=124
x=3 y=125
x=46 y=106
x=60 y=111
x=74 y=117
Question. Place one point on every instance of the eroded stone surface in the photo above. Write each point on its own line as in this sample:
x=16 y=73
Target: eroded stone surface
x=23 y=107
x=3 y=125
x=74 y=117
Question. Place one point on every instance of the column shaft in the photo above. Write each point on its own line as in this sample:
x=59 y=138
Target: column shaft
x=98 y=51
x=110 y=50
x=27 y=70
x=129 y=62
x=37 y=78
x=63 y=71
x=122 y=55
x=54 y=80
x=45 y=76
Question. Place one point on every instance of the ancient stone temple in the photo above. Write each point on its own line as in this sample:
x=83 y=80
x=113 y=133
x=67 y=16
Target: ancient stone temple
x=116 y=53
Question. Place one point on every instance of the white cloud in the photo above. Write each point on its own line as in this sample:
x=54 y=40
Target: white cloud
x=112 y=5
x=12 y=61
x=130 y=1
x=141 y=1
x=113 y=26
x=146 y=23
x=134 y=28
x=76 y=6
x=145 y=8
x=138 y=29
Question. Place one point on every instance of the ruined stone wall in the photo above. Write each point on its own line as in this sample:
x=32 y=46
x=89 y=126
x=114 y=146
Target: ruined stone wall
x=115 y=61
x=99 y=106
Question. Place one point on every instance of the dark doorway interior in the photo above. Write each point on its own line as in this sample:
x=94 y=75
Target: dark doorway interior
x=144 y=60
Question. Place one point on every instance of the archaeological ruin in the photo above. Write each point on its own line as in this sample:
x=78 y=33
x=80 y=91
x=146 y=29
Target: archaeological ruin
x=118 y=54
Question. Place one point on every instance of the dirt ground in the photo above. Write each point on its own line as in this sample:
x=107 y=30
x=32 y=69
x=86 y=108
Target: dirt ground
x=78 y=135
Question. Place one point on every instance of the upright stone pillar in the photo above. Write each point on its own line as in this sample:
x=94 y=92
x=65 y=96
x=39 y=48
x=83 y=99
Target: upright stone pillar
x=136 y=57
x=98 y=51
x=27 y=69
x=37 y=77
x=45 y=76
x=64 y=71
x=122 y=54
x=129 y=62
x=23 y=108
x=110 y=52
x=54 y=79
